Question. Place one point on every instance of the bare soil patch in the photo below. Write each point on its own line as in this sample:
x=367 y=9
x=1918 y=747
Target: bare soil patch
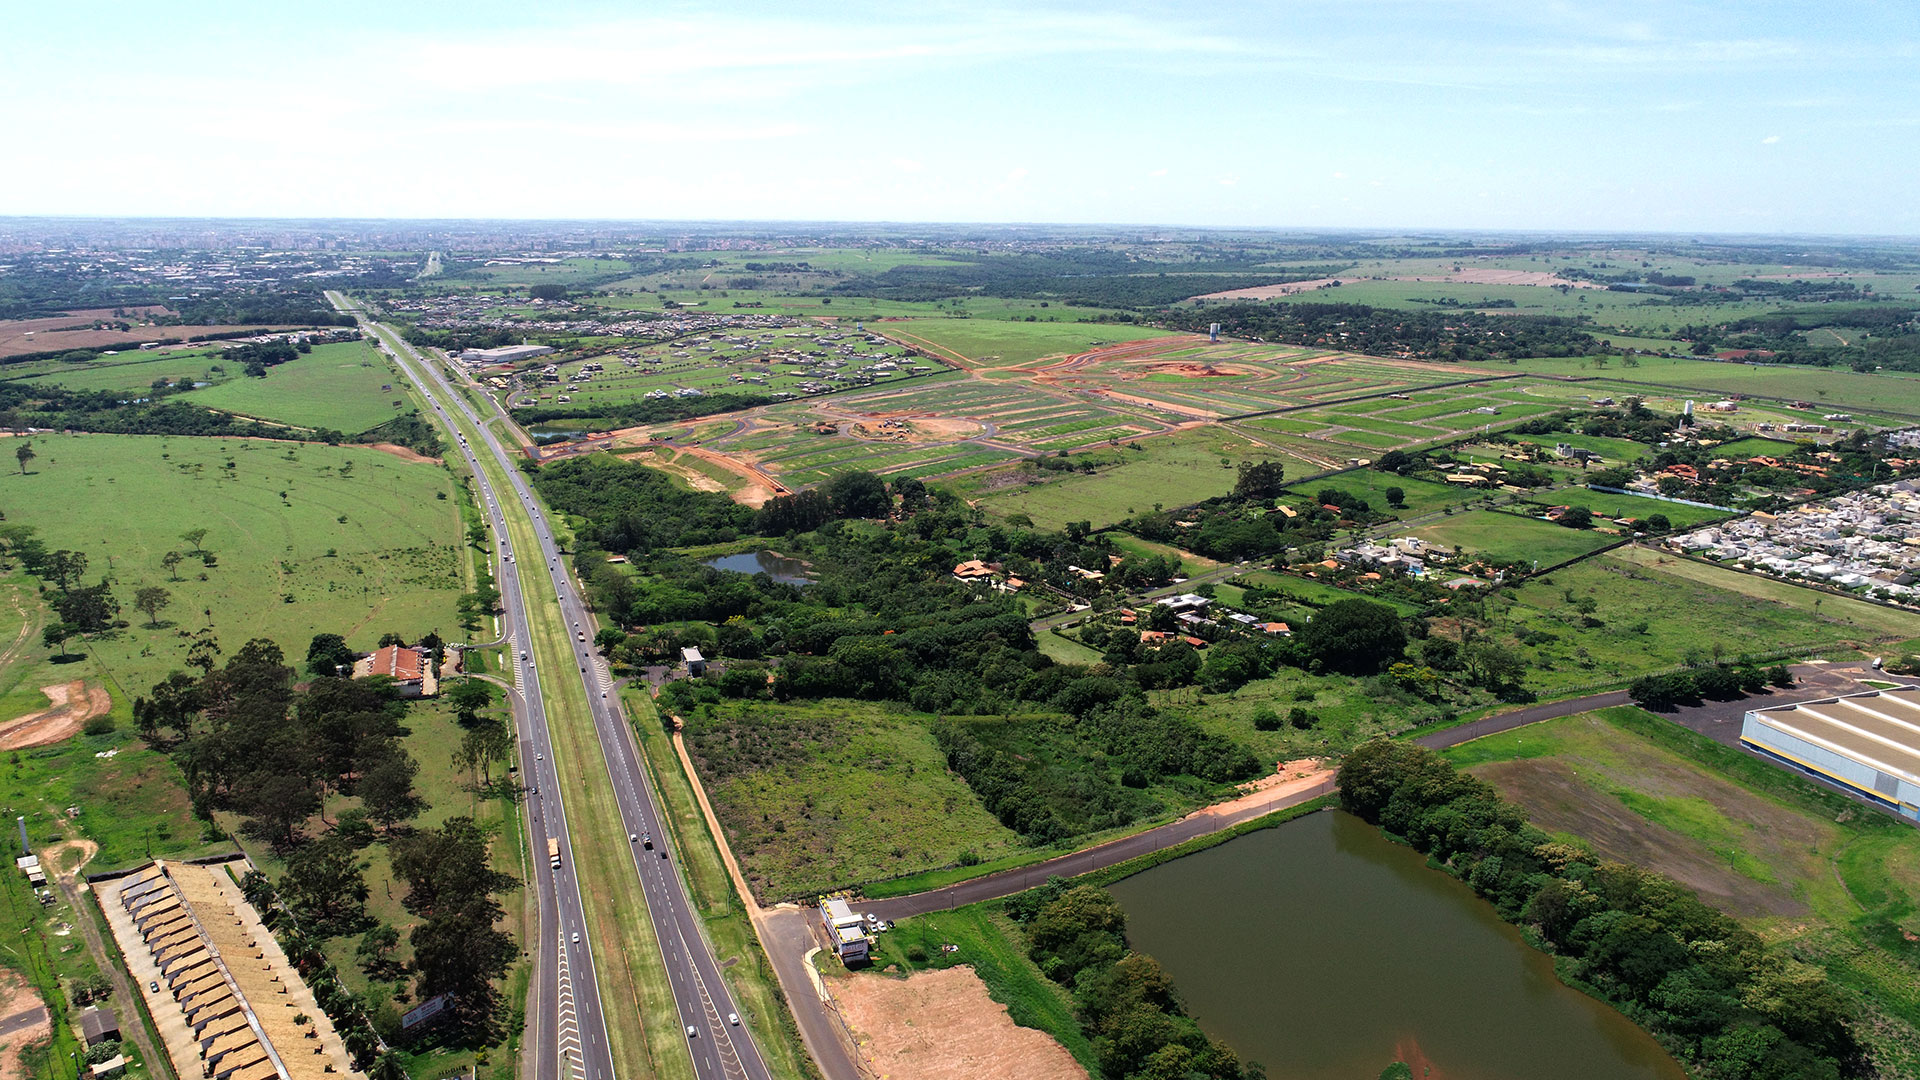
x=74 y=330
x=941 y=1025
x=1558 y=799
x=74 y=704
x=1200 y=371
x=404 y=453
x=68 y=857
x=915 y=429
x=17 y=997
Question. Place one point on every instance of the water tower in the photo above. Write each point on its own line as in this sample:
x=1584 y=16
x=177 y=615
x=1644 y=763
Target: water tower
x=1213 y=333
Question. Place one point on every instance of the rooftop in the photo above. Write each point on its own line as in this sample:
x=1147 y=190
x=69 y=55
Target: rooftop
x=1878 y=728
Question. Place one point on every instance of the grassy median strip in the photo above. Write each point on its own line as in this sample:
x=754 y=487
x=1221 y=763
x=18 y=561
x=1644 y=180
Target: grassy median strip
x=731 y=933
x=631 y=968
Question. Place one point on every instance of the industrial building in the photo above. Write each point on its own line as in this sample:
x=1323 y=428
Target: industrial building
x=1867 y=744
x=223 y=996
x=505 y=354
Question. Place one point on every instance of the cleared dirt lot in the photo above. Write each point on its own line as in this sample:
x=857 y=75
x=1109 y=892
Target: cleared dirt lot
x=74 y=704
x=75 y=331
x=941 y=1025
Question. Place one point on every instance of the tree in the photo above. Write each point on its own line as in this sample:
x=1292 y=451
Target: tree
x=1260 y=480
x=1355 y=637
x=194 y=536
x=1664 y=693
x=152 y=599
x=171 y=560
x=327 y=654
x=375 y=952
x=468 y=697
x=66 y=567
x=325 y=887
x=54 y=636
x=609 y=638
x=386 y=788
x=1396 y=497
x=24 y=454
x=89 y=610
x=1577 y=517
x=859 y=494
x=1658 y=523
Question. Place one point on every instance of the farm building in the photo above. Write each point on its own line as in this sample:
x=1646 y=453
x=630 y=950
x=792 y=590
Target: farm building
x=97 y=1025
x=1868 y=743
x=696 y=663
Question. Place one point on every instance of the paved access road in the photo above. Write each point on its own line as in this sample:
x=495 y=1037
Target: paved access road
x=568 y=993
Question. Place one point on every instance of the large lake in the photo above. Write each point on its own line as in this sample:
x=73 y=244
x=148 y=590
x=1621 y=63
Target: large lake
x=778 y=567
x=1324 y=951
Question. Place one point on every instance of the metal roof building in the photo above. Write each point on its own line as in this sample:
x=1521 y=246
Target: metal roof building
x=1868 y=744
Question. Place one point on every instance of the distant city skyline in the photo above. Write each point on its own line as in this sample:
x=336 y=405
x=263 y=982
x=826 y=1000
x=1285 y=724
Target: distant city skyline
x=1636 y=116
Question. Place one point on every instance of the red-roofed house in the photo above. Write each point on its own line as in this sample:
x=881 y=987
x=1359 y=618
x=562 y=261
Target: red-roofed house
x=410 y=669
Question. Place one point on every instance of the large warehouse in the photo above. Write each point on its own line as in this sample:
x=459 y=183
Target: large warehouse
x=1867 y=743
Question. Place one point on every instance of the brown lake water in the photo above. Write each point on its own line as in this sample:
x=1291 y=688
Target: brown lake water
x=1325 y=951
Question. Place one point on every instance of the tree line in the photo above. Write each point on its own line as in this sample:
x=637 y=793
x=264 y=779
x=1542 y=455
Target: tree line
x=1709 y=989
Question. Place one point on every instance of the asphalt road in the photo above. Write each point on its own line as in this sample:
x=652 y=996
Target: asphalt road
x=1009 y=882
x=570 y=1022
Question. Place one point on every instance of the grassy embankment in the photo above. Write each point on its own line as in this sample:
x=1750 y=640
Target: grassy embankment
x=1827 y=880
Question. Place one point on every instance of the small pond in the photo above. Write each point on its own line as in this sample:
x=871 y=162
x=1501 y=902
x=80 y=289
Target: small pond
x=1325 y=951
x=778 y=567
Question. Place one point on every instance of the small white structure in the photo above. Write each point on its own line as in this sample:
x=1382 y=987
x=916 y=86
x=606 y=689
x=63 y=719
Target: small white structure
x=846 y=930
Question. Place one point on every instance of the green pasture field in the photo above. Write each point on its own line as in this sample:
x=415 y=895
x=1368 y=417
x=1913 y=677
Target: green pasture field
x=359 y=554
x=1421 y=496
x=765 y=362
x=1190 y=564
x=1652 y=618
x=128 y=371
x=1290 y=424
x=1825 y=387
x=1826 y=880
x=996 y=343
x=1609 y=506
x=335 y=386
x=1346 y=712
x=1844 y=617
x=821 y=796
x=1312 y=593
x=1510 y=536
x=1172 y=470
x=1432 y=411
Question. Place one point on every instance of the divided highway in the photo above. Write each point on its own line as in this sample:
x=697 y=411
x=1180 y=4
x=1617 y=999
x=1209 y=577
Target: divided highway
x=570 y=1038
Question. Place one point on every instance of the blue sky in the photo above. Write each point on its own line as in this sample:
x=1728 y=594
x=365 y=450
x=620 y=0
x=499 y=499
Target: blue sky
x=1748 y=116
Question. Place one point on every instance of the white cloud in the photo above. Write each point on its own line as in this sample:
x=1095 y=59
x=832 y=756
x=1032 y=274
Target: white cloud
x=1158 y=172
x=1770 y=140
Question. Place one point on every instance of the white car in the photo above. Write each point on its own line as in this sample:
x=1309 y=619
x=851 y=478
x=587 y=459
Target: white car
x=692 y=1032
x=576 y=937
x=734 y=1019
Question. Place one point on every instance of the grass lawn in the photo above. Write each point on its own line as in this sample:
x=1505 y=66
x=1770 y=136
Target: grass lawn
x=1346 y=712
x=1824 y=879
x=1421 y=495
x=1190 y=564
x=1753 y=447
x=1610 y=506
x=1172 y=470
x=335 y=386
x=816 y=797
x=362 y=543
x=1651 y=617
x=1614 y=451
x=129 y=371
x=1822 y=386
x=994 y=343
x=1509 y=536
x=1843 y=616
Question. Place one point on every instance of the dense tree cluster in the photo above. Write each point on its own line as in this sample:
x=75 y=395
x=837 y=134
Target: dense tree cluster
x=1705 y=985
x=1125 y=1002
x=1425 y=335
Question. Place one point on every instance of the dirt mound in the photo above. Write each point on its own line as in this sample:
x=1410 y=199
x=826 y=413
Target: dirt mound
x=74 y=704
x=941 y=1025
